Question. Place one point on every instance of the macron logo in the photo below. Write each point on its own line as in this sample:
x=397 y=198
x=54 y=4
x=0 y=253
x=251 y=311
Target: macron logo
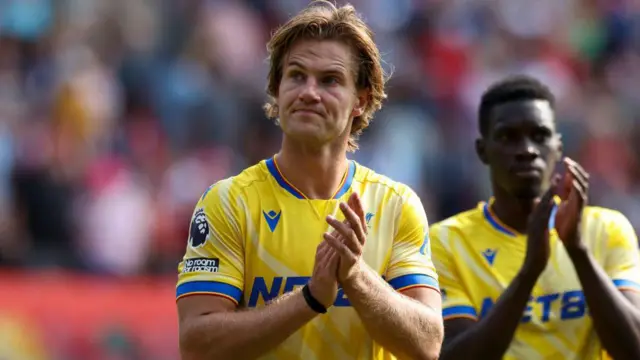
x=490 y=255
x=272 y=218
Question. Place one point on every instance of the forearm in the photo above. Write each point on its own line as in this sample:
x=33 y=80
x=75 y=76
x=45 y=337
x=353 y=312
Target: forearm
x=491 y=336
x=244 y=334
x=616 y=321
x=398 y=323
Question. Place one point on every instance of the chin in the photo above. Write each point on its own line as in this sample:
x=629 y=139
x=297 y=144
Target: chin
x=528 y=193
x=308 y=138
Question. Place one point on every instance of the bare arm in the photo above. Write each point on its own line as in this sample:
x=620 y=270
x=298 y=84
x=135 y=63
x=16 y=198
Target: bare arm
x=615 y=318
x=409 y=325
x=211 y=329
x=490 y=338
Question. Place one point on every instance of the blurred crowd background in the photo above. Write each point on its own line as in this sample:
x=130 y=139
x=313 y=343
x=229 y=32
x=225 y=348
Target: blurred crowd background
x=115 y=116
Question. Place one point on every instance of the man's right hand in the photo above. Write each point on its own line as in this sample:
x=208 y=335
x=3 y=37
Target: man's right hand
x=324 y=283
x=538 y=248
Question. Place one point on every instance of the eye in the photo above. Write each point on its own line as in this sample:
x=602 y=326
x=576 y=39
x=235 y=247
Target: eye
x=330 y=80
x=296 y=75
x=541 y=135
x=506 y=136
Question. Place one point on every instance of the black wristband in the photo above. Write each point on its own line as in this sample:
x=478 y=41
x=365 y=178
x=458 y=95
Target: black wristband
x=314 y=304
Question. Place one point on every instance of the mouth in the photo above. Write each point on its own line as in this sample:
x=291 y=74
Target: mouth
x=306 y=112
x=527 y=171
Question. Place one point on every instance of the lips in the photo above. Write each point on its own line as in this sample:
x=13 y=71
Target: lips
x=307 y=111
x=526 y=170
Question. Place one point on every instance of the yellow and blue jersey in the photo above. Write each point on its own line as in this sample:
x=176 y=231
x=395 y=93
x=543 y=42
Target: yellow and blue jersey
x=477 y=256
x=253 y=237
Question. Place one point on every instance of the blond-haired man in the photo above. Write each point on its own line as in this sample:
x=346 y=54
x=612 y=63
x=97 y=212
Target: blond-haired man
x=308 y=255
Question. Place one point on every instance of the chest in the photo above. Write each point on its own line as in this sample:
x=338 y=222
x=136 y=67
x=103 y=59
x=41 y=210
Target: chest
x=556 y=300
x=283 y=234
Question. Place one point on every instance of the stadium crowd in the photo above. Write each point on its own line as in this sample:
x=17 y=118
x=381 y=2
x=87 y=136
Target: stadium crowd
x=116 y=115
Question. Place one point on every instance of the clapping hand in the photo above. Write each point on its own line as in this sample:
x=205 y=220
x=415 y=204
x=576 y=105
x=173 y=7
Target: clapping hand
x=348 y=238
x=574 y=189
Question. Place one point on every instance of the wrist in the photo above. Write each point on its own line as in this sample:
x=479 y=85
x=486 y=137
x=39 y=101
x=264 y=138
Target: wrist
x=354 y=277
x=530 y=273
x=312 y=302
x=577 y=249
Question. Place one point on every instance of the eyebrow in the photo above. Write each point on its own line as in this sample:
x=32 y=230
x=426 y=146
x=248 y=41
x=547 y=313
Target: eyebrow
x=339 y=69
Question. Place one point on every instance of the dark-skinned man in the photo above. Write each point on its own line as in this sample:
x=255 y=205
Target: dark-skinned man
x=519 y=271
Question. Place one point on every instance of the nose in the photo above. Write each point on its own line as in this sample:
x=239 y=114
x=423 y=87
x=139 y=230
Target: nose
x=309 y=92
x=527 y=151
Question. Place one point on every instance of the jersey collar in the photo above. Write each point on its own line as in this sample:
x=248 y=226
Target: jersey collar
x=494 y=221
x=345 y=184
x=500 y=226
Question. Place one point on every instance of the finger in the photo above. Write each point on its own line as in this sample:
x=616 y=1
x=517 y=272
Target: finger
x=352 y=202
x=581 y=192
x=565 y=183
x=323 y=252
x=552 y=190
x=340 y=248
x=556 y=179
x=578 y=172
x=359 y=209
x=578 y=175
x=583 y=173
x=336 y=233
x=346 y=235
x=356 y=224
x=544 y=206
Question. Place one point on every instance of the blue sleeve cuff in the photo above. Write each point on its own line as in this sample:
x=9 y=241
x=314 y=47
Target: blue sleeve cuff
x=409 y=281
x=624 y=284
x=209 y=288
x=459 y=311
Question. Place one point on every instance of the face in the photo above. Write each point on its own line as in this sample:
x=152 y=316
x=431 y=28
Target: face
x=317 y=97
x=522 y=147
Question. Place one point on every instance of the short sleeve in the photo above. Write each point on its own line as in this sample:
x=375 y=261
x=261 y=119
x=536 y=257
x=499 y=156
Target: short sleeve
x=410 y=263
x=456 y=302
x=214 y=259
x=623 y=259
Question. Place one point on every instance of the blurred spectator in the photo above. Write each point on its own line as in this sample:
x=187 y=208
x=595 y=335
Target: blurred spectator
x=116 y=115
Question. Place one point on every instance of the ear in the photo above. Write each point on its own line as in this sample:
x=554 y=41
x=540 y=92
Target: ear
x=481 y=150
x=361 y=103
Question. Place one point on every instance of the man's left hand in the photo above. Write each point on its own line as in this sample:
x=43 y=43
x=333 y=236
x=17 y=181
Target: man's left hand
x=349 y=238
x=574 y=194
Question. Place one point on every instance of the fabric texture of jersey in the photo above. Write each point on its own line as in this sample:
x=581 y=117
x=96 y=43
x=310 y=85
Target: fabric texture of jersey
x=477 y=256
x=254 y=236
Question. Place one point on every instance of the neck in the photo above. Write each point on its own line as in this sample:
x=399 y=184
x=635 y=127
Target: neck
x=316 y=172
x=512 y=211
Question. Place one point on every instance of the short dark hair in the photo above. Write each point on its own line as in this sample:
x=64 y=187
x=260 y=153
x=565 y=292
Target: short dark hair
x=513 y=88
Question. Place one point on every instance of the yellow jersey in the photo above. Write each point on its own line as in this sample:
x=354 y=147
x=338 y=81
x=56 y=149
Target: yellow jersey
x=253 y=237
x=477 y=256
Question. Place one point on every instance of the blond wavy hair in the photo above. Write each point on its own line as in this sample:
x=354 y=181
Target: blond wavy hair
x=322 y=20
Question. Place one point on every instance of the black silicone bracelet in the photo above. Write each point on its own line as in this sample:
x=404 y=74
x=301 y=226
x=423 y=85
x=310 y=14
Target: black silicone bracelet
x=314 y=304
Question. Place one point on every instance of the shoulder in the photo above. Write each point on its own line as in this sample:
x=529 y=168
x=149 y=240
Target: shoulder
x=597 y=219
x=603 y=215
x=461 y=221
x=393 y=190
x=458 y=224
x=234 y=187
